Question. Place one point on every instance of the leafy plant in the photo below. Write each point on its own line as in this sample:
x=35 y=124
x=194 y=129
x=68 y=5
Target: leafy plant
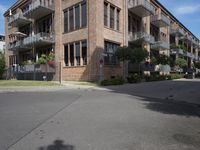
x=113 y=81
x=197 y=65
x=134 y=78
x=180 y=62
x=2 y=64
x=42 y=59
x=51 y=57
x=163 y=60
x=154 y=60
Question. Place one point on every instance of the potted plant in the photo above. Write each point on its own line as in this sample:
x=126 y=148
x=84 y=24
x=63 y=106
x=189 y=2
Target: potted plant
x=51 y=59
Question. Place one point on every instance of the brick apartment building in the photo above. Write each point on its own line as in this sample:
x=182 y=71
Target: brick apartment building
x=85 y=33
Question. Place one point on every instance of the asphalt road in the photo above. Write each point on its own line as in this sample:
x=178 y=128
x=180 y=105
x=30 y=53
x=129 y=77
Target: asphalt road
x=149 y=116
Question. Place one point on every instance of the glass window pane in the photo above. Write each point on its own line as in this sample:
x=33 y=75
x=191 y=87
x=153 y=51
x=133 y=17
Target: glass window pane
x=118 y=19
x=66 y=55
x=71 y=19
x=112 y=17
x=84 y=52
x=72 y=54
x=78 y=53
x=84 y=14
x=77 y=17
x=66 y=21
x=106 y=14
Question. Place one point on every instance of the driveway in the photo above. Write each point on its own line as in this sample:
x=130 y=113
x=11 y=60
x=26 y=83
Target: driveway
x=127 y=117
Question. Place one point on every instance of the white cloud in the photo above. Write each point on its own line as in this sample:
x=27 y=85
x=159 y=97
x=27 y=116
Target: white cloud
x=190 y=9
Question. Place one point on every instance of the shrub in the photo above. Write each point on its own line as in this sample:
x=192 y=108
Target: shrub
x=156 y=77
x=176 y=76
x=134 y=78
x=113 y=81
x=2 y=64
x=181 y=62
x=188 y=76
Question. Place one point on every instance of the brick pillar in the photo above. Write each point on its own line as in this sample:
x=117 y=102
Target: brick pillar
x=59 y=48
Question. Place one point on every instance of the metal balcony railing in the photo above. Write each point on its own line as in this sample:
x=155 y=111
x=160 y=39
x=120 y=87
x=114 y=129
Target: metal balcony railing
x=143 y=36
x=141 y=8
x=178 y=31
x=18 y=20
x=28 y=42
x=160 y=20
x=39 y=8
x=160 y=45
x=186 y=38
x=40 y=38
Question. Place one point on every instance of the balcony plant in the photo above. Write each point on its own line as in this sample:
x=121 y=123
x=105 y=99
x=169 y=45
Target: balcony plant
x=51 y=58
x=174 y=46
x=42 y=59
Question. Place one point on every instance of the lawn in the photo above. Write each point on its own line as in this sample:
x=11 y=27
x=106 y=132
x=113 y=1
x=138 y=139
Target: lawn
x=26 y=83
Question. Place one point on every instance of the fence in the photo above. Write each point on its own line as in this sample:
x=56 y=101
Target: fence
x=31 y=72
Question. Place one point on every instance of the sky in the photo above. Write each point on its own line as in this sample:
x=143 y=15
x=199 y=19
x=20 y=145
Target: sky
x=186 y=11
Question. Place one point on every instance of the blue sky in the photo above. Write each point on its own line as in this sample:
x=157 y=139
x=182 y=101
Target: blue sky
x=187 y=12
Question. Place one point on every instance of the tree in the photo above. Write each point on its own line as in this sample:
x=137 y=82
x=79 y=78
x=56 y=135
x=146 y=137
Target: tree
x=123 y=54
x=197 y=65
x=181 y=62
x=163 y=60
x=134 y=55
x=2 y=64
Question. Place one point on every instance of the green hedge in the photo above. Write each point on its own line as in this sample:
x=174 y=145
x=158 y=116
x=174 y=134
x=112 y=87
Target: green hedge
x=134 y=78
x=113 y=81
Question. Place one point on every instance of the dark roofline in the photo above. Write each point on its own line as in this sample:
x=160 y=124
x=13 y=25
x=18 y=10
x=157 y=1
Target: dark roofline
x=171 y=15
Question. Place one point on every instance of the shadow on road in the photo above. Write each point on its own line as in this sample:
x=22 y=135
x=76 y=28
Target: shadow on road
x=58 y=145
x=165 y=103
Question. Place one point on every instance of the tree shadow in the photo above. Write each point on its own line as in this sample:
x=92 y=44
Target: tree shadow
x=58 y=145
x=166 y=104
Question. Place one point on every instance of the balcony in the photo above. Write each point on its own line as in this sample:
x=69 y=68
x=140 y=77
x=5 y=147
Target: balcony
x=141 y=8
x=18 y=45
x=160 y=20
x=177 y=51
x=186 y=38
x=140 y=37
x=195 y=43
x=160 y=45
x=40 y=39
x=178 y=31
x=190 y=55
x=39 y=9
x=18 y=20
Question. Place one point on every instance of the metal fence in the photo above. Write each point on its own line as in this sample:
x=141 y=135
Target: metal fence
x=31 y=72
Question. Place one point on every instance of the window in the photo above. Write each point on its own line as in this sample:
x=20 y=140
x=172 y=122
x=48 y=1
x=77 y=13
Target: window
x=72 y=54
x=77 y=17
x=84 y=14
x=44 y=25
x=78 y=53
x=106 y=14
x=66 y=21
x=71 y=19
x=118 y=18
x=84 y=52
x=110 y=49
x=112 y=17
x=66 y=56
